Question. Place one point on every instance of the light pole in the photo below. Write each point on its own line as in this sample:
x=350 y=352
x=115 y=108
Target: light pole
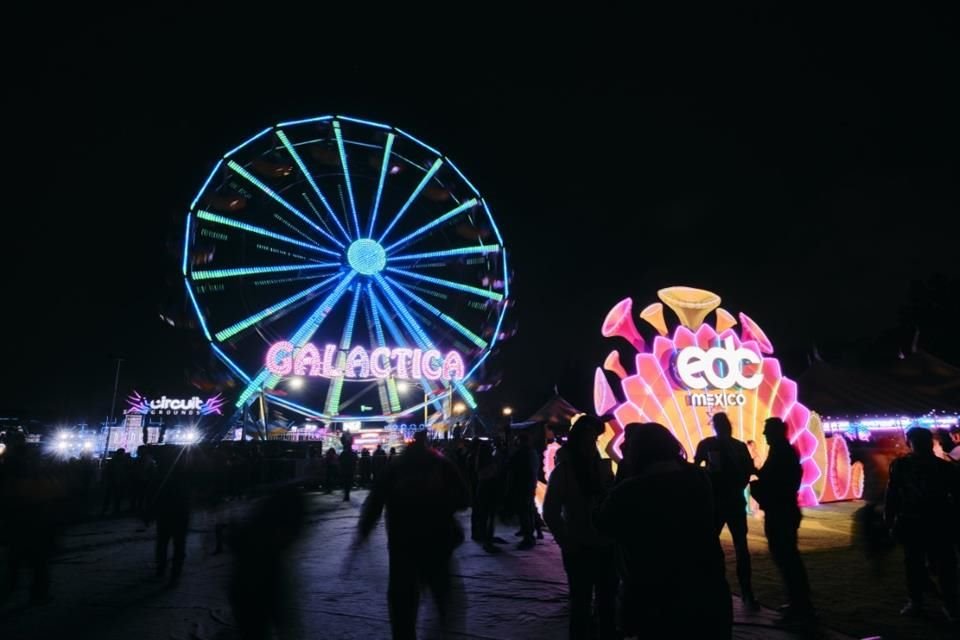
x=113 y=409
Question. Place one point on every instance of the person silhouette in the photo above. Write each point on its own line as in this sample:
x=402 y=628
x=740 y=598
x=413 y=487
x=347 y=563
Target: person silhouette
x=775 y=490
x=730 y=466
x=576 y=487
x=662 y=520
x=420 y=491
x=921 y=508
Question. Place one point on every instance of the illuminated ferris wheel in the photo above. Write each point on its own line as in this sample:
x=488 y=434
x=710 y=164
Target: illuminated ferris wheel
x=353 y=256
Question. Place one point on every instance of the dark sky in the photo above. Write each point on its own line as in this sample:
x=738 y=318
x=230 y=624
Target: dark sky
x=803 y=167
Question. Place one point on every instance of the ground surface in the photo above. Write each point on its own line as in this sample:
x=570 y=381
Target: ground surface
x=104 y=586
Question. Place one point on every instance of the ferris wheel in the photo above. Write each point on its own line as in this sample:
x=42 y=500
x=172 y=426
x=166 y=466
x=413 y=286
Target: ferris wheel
x=351 y=256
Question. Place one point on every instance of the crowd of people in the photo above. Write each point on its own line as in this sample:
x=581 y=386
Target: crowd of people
x=639 y=547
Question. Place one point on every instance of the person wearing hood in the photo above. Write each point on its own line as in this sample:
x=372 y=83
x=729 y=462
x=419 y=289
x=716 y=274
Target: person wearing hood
x=576 y=488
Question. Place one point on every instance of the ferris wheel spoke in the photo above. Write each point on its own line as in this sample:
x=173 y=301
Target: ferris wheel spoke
x=239 y=272
x=469 y=204
x=397 y=335
x=346 y=175
x=260 y=231
x=413 y=196
x=252 y=179
x=485 y=293
x=447 y=253
x=336 y=386
x=421 y=338
x=450 y=320
x=388 y=147
x=309 y=177
x=389 y=398
x=267 y=380
x=246 y=323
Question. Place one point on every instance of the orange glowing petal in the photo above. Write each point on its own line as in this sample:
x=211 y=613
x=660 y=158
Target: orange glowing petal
x=691 y=305
x=725 y=320
x=653 y=314
x=612 y=364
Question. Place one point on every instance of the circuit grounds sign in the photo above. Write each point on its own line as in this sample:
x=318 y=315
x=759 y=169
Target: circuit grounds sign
x=284 y=358
x=194 y=406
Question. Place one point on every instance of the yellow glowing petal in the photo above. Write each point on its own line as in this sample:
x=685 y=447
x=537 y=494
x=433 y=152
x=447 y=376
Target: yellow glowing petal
x=653 y=314
x=691 y=305
x=725 y=320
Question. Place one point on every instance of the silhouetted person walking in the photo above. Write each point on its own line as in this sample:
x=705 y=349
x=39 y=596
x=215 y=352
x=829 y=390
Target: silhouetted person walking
x=662 y=519
x=261 y=588
x=170 y=507
x=921 y=507
x=730 y=466
x=776 y=492
x=378 y=462
x=364 y=468
x=578 y=483
x=523 y=485
x=421 y=490
x=348 y=465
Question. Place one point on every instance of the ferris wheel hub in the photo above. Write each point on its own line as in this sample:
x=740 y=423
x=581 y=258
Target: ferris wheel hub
x=366 y=256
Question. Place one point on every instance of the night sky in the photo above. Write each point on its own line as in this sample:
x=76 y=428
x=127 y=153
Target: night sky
x=804 y=168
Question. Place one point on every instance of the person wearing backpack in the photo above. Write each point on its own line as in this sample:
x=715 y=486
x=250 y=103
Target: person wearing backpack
x=920 y=508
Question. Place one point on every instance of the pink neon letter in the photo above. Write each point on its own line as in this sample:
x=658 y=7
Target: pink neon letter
x=430 y=370
x=380 y=354
x=329 y=369
x=453 y=368
x=307 y=356
x=358 y=358
x=401 y=355
x=417 y=355
x=280 y=358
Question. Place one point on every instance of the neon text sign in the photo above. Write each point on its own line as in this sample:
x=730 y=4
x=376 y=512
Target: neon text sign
x=697 y=368
x=138 y=404
x=401 y=363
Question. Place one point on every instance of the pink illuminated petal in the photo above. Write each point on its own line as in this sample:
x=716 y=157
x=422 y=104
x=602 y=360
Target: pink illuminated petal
x=806 y=497
x=751 y=331
x=627 y=413
x=603 y=398
x=619 y=323
x=662 y=347
x=683 y=338
x=706 y=336
x=805 y=444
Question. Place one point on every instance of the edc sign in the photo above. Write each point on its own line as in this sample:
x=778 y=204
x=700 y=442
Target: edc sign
x=284 y=358
x=723 y=368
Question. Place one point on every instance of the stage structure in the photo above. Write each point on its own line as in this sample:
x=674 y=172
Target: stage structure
x=347 y=271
